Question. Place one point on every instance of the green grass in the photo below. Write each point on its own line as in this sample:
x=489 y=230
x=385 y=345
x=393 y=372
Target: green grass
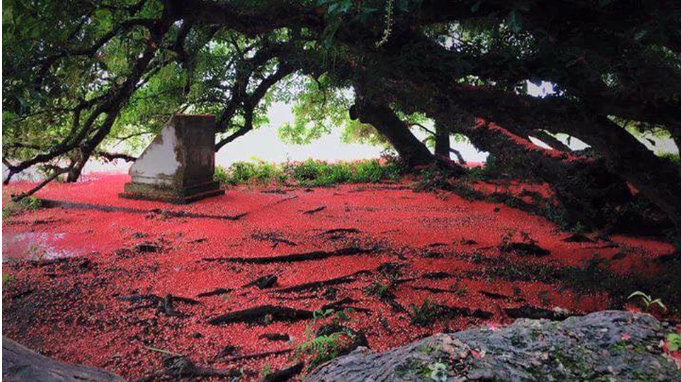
x=7 y=279
x=15 y=208
x=324 y=348
x=308 y=173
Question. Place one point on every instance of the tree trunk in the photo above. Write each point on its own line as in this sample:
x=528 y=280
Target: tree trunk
x=412 y=152
x=584 y=186
x=75 y=171
x=442 y=144
x=657 y=180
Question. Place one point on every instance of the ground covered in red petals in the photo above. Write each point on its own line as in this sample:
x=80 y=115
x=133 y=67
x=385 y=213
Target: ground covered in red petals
x=86 y=280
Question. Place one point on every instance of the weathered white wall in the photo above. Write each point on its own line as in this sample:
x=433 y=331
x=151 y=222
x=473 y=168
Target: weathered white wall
x=158 y=164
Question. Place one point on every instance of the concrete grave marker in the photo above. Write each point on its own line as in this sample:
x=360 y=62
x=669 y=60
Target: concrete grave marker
x=179 y=164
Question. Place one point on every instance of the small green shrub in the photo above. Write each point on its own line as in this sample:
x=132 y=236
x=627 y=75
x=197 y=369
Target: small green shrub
x=321 y=313
x=259 y=172
x=12 y=208
x=324 y=348
x=425 y=314
x=673 y=341
x=7 y=279
x=647 y=300
x=309 y=172
x=369 y=172
x=377 y=289
x=306 y=171
x=266 y=371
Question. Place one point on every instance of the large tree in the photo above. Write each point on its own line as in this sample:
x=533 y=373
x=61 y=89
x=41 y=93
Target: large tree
x=81 y=76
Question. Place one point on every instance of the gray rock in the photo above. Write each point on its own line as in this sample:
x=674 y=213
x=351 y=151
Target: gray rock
x=20 y=364
x=602 y=346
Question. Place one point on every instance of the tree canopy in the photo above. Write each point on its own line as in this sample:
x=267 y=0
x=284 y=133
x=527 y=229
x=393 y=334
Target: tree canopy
x=81 y=75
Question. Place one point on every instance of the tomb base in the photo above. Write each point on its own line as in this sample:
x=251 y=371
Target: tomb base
x=166 y=194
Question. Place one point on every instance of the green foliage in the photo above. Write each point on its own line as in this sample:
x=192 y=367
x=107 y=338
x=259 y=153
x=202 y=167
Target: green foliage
x=647 y=300
x=259 y=172
x=266 y=371
x=308 y=173
x=322 y=313
x=673 y=341
x=438 y=372
x=672 y=157
x=12 y=208
x=324 y=348
x=7 y=279
x=425 y=314
x=342 y=315
x=377 y=289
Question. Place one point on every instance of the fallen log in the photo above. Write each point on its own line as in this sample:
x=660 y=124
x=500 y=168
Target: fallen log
x=20 y=364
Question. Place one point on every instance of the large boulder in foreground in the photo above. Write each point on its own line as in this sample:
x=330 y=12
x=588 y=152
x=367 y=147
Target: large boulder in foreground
x=20 y=364
x=603 y=346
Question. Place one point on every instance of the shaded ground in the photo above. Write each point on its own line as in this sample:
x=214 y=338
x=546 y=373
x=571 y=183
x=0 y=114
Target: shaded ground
x=498 y=262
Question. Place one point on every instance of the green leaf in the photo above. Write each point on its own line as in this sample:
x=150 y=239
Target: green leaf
x=673 y=341
x=514 y=20
x=476 y=6
x=638 y=293
x=640 y=35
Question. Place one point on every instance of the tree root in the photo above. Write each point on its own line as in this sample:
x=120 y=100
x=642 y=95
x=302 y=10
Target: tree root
x=182 y=367
x=318 y=284
x=215 y=292
x=165 y=305
x=284 y=374
x=315 y=255
x=258 y=355
x=51 y=203
x=263 y=282
x=263 y=315
x=314 y=211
